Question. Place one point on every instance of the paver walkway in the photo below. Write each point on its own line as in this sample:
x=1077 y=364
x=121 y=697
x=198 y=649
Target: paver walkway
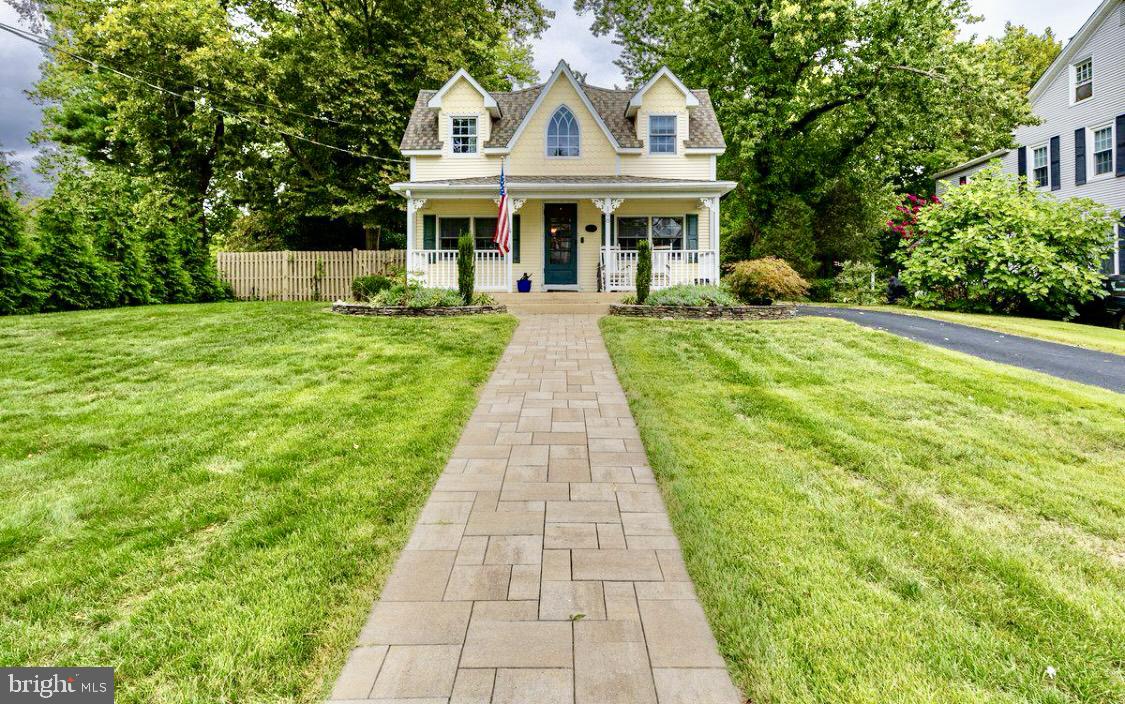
x=543 y=568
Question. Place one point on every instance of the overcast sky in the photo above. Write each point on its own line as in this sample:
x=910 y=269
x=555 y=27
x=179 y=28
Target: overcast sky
x=568 y=38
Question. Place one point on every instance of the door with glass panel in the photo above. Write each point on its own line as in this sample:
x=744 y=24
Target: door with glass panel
x=560 y=246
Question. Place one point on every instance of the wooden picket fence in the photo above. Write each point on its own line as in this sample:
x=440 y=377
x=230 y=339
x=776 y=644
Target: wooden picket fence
x=303 y=276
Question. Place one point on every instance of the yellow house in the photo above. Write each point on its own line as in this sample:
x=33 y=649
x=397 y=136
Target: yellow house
x=589 y=173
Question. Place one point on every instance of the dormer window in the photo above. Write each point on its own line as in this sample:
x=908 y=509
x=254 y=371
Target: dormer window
x=1083 y=80
x=464 y=134
x=662 y=134
x=562 y=134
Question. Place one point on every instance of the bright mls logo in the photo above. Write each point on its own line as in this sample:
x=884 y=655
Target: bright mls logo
x=65 y=685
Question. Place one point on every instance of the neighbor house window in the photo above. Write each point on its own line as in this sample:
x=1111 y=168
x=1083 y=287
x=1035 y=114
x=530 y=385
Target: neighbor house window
x=662 y=134
x=667 y=233
x=630 y=231
x=1083 y=80
x=1039 y=166
x=1103 y=150
x=464 y=135
x=450 y=229
x=562 y=133
x=484 y=229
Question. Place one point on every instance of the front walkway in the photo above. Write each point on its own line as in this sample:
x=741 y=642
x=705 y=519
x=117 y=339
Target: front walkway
x=543 y=568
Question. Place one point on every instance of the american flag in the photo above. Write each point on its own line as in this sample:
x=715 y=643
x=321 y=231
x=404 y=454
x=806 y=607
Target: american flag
x=503 y=235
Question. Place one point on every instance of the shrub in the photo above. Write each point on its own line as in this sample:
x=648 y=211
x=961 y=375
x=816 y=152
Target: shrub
x=686 y=295
x=21 y=289
x=364 y=288
x=853 y=285
x=820 y=290
x=996 y=246
x=74 y=276
x=763 y=281
x=414 y=295
x=644 y=270
x=466 y=267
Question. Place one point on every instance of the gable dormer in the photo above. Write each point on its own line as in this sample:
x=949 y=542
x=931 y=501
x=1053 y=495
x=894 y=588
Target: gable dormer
x=464 y=115
x=661 y=110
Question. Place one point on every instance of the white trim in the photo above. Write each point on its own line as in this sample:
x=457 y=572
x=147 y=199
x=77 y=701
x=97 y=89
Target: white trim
x=1091 y=172
x=1031 y=179
x=489 y=102
x=635 y=101
x=675 y=135
x=713 y=151
x=1067 y=56
x=972 y=162
x=547 y=133
x=421 y=152
x=560 y=70
x=600 y=189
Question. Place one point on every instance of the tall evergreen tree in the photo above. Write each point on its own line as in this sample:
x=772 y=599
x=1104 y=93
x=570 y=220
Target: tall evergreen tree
x=21 y=288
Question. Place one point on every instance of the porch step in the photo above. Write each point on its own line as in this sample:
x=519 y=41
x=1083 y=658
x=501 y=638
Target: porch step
x=558 y=302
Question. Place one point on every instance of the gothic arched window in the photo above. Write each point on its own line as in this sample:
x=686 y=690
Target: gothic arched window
x=562 y=133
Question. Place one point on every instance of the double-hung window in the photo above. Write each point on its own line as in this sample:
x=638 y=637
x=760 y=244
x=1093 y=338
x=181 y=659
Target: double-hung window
x=667 y=233
x=1040 y=171
x=484 y=229
x=662 y=134
x=630 y=231
x=450 y=229
x=1103 y=150
x=1083 y=80
x=464 y=134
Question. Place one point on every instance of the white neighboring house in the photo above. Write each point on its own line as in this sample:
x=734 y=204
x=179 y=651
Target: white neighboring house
x=1078 y=150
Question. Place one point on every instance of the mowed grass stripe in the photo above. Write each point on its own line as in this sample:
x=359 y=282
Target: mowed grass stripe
x=209 y=497
x=870 y=519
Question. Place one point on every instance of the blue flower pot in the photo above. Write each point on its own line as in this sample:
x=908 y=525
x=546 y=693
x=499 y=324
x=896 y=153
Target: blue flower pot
x=523 y=286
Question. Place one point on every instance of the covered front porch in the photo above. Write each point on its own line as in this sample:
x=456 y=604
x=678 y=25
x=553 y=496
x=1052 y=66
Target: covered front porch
x=568 y=233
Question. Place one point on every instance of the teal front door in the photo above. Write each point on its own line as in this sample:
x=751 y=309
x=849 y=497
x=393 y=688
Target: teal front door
x=560 y=225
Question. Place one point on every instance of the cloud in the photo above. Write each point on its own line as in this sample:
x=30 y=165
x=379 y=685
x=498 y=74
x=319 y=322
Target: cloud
x=569 y=38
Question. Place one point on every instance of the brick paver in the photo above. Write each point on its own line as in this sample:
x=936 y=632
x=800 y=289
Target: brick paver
x=543 y=567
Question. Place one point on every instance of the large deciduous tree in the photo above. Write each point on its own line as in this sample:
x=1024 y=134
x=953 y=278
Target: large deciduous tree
x=826 y=105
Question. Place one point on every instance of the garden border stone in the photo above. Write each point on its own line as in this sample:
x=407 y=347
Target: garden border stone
x=776 y=312
x=346 y=308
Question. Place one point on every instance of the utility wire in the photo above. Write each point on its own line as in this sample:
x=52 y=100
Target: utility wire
x=36 y=39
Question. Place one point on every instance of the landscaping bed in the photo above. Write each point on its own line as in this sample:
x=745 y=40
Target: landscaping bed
x=347 y=308
x=773 y=312
x=869 y=519
x=209 y=497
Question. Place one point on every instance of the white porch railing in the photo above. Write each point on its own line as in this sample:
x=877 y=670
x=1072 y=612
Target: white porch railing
x=437 y=268
x=670 y=267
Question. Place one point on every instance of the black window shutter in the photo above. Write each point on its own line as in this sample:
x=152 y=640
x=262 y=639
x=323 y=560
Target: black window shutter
x=1120 y=145
x=516 y=239
x=1056 y=165
x=429 y=232
x=1080 y=156
x=1021 y=161
x=692 y=232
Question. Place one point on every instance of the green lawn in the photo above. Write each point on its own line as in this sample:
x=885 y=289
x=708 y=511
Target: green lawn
x=209 y=497
x=1089 y=336
x=869 y=519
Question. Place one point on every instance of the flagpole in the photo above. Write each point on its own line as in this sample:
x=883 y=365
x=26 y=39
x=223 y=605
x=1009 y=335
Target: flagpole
x=508 y=216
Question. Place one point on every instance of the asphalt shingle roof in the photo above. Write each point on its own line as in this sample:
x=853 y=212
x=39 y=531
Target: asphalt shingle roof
x=610 y=103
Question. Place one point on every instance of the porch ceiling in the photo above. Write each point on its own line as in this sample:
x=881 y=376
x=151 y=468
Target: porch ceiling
x=576 y=186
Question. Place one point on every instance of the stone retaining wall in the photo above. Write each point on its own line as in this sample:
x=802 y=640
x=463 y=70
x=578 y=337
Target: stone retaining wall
x=367 y=309
x=706 y=312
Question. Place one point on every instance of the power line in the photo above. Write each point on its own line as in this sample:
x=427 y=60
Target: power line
x=35 y=39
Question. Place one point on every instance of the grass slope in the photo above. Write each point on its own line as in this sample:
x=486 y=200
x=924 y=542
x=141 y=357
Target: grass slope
x=1090 y=337
x=209 y=497
x=869 y=519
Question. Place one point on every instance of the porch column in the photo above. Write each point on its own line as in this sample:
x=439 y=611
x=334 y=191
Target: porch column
x=413 y=205
x=607 y=205
x=712 y=206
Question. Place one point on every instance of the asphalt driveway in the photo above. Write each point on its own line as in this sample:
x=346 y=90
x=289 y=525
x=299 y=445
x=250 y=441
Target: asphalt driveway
x=1086 y=366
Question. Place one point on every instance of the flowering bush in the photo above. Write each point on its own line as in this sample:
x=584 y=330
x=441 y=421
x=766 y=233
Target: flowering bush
x=906 y=222
x=994 y=246
x=763 y=281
